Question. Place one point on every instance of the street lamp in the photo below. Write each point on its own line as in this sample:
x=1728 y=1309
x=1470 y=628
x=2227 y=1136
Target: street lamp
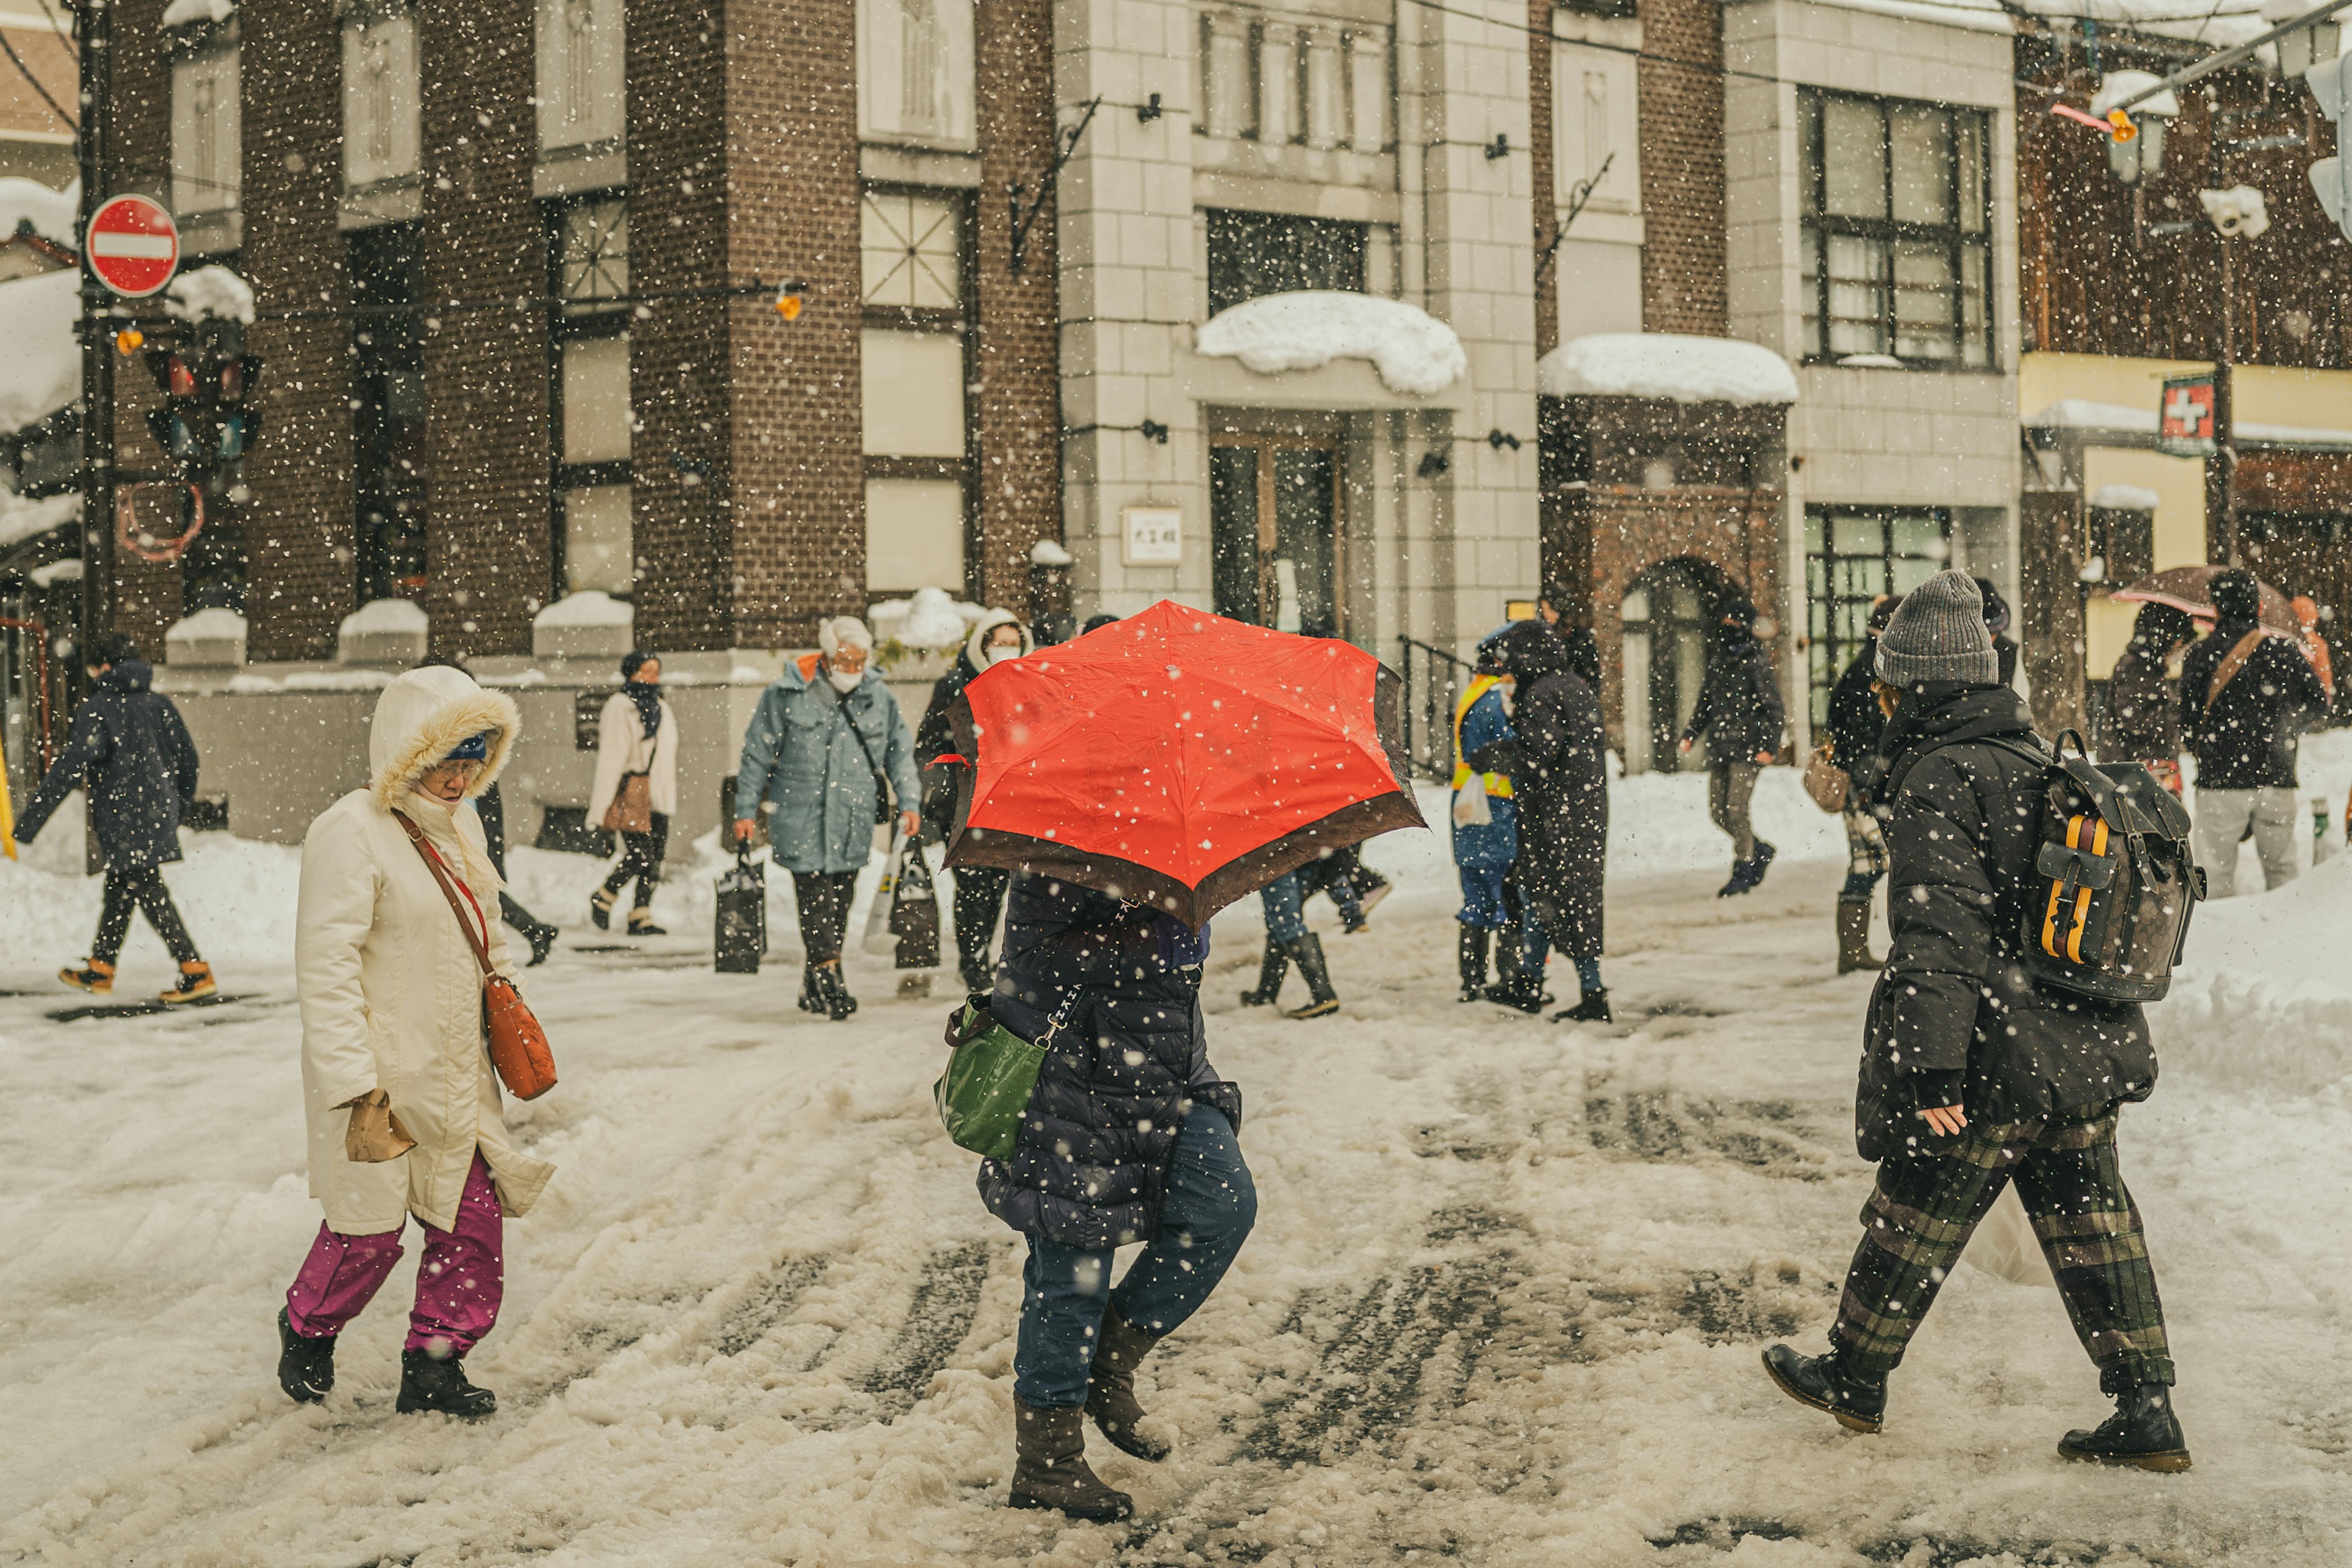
x=2135 y=147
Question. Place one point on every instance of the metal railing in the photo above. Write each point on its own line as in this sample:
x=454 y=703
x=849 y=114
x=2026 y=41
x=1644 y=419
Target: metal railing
x=1432 y=679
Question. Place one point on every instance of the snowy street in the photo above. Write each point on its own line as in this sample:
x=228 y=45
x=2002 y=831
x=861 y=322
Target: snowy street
x=1504 y=1304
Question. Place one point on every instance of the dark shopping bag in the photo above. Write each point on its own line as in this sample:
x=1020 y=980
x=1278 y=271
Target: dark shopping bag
x=989 y=1079
x=915 y=910
x=741 y=935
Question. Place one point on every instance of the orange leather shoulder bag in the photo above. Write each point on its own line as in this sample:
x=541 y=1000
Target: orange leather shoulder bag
x=518 y=1046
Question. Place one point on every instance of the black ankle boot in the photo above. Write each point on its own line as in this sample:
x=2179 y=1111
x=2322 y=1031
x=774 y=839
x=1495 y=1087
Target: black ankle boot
x=2143 y=1432
x=1321 y=999
x=1522 y=989
x=834 y=990
x=1271 y=968
x=306 y=1366
x=811 y=1001
x=428 y=1381
x=1827 y=1383
x=1470 y=948
x=1592 y=1007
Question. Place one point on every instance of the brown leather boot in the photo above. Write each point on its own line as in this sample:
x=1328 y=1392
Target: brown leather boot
x=1853 y=940
x=1049 y=1467
x=1110 y=1391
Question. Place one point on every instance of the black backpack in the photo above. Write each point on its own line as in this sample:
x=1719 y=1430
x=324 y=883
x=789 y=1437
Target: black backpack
x=2114 y=880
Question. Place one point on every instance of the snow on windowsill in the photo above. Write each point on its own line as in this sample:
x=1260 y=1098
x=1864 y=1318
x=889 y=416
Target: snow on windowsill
x=181 y=13
x=2124 y=498
x=1671 y=365
x=1414 y=353
x=588 y=607
x=386 y=615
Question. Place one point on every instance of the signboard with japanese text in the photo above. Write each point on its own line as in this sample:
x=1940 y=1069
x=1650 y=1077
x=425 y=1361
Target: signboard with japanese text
x=1154 y=536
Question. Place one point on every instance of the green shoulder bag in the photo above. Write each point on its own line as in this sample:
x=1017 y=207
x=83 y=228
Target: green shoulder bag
x=988 y=1079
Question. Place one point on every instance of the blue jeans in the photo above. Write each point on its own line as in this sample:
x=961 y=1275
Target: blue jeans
x=1482 y=897
x=1285 y=909
x=1210 y=1205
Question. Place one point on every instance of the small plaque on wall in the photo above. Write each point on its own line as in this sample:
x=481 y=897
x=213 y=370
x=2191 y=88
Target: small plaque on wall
x=1154 y=536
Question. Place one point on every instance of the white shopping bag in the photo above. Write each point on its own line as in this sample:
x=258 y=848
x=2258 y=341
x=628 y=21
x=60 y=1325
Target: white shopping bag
x=879 y=938
x=1470 y=807
x=2005 y=1247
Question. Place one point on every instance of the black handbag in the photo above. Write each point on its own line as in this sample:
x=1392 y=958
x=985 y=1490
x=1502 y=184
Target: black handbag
x=740 y=939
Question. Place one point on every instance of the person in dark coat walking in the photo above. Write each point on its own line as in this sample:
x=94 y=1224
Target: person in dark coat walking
x=1996 y=620
x=2142 y=720
x=1855 y=724
x=997 y=637
x=2245 y=692
x=1557 y=757
x=1129 y=1135
x=1739 y=715
x=1973 y=1075
x=130 y=749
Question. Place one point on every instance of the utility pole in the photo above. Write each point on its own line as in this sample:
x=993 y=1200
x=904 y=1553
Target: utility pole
x=96 y=26
x=2222 y=468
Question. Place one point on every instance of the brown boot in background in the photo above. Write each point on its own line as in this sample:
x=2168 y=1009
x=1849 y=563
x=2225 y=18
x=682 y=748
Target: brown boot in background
x=1110 y=1389
x=1853 y=940
x=1049 y=1467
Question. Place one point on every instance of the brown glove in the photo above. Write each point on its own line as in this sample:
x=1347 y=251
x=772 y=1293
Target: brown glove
x=375 y=1134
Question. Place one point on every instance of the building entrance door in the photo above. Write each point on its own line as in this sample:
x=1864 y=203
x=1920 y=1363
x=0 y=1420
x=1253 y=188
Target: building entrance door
x=1666 y=619
x=1275 y=532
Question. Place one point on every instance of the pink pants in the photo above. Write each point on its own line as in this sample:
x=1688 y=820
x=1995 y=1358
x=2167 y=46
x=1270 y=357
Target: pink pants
x=459 y=1284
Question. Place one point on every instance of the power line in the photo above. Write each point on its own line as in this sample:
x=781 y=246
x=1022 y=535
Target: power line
x=27 y=73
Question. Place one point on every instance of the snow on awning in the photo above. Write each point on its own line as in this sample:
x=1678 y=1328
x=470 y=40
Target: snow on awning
x=2124 y=419
x=2124 y=498
x=36 y=321
x=21 y=519
x=29 y=206
x=1671 y=365
x=1414 y=353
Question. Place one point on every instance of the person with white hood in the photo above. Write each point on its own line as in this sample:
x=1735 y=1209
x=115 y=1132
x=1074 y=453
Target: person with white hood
x=825 y=742
x=395 y=1068
x=997 y=637
x=635 y=792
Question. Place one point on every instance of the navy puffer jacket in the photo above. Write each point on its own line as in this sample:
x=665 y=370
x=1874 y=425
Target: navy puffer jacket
x=1091 y=1168
x=130 y=749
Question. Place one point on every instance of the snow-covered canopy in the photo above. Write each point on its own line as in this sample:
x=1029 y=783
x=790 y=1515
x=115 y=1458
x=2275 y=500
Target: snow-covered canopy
x=2081 y=413
x=2124 y=498
x=1667 y=364
x=27 y=206
x=210 y=293
x=2217 y=23
x=44 y=362
x=1414 y=353
x=21 y=519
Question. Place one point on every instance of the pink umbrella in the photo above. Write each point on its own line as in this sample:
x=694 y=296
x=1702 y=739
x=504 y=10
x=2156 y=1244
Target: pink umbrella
x=2189 y=589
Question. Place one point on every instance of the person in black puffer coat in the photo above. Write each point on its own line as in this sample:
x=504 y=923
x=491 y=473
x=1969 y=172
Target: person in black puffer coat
x=130 y=749
x=1129 y=1135
x=1973 y=1074
x=2245 y=692
x=1741 y=717
x=2142 y=720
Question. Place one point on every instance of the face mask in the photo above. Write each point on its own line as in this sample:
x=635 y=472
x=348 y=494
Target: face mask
x=844 y=681
x=1003 y=655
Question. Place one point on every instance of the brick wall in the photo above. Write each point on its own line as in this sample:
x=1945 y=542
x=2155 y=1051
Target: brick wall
x=487 y=540
x=298 y=523
x=1541 y=149
x=678 y=349
x=1681 y=118
x=1017 y=412
x=796 y=458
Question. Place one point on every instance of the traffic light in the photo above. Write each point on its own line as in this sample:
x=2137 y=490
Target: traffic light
x=205 y=424
x=2331 y=178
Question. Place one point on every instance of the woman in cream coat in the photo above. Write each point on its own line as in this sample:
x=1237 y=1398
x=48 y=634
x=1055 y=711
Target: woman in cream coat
x=391 y=1021
x=637 y=734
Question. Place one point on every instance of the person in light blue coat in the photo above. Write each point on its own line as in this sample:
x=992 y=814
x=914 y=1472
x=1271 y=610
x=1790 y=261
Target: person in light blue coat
x=826 y=734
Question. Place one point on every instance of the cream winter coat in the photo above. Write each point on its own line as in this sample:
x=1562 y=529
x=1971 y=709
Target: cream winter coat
x=391 y=996
x=622 y=748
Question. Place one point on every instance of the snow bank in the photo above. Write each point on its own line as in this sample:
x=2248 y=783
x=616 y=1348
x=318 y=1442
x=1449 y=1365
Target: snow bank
x=2124 y=498
x=1413 y=351
x=30 y=206
x=930 y=621
x=209 y=294
x=21 y=519
x=1672 y=365
x=36 y=322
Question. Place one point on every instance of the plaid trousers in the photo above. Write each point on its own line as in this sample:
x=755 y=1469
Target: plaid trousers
x=1926 y=1203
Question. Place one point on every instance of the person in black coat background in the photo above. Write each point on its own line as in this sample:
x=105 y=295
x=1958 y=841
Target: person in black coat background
x=1996 y=620
x=1557 y=757
x=130 y=749
x=1855 y=723
x=2241 y=724
x=979 y=890
x=1974 y=1074
x=1129 y=1135
x=2141 y=721
x=1740 y=715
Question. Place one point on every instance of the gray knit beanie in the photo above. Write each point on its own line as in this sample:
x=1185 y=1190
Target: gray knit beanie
x=1938 y=635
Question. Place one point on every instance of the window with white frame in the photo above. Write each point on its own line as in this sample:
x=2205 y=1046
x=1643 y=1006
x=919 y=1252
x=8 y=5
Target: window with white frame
x=582 y=72
x=594 y=422
x=1896 y=249
x=917 y=491
x=380 y=96
x=207 y=123
x=916 y=65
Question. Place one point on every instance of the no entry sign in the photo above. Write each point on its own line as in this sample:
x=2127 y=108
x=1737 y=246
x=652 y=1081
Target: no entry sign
x=132 y=244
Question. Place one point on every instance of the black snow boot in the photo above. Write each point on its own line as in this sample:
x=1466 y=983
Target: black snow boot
x=1270 y=972
x=1744 y=874
x=1050 y=1470
x=1471 y=949
x=1321 y=1000
x=1764 y=853
x=1853 y=939
x=1592 y=1007
x=2143 y=1432
x=1111 y=1387
x=832 y=991
x=1521 y=989
x=428 y=1381
x=543 y=942
x=306 y=1366
x=600 y=907
x=811 y=1001
x=1825 y=1383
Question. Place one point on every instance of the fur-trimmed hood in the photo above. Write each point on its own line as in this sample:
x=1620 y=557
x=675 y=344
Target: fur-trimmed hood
x=989 y=621
x=421 y=716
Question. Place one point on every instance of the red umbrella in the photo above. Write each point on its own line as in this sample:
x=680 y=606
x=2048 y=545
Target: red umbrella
x=1178 y=756
x=2189 y=589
